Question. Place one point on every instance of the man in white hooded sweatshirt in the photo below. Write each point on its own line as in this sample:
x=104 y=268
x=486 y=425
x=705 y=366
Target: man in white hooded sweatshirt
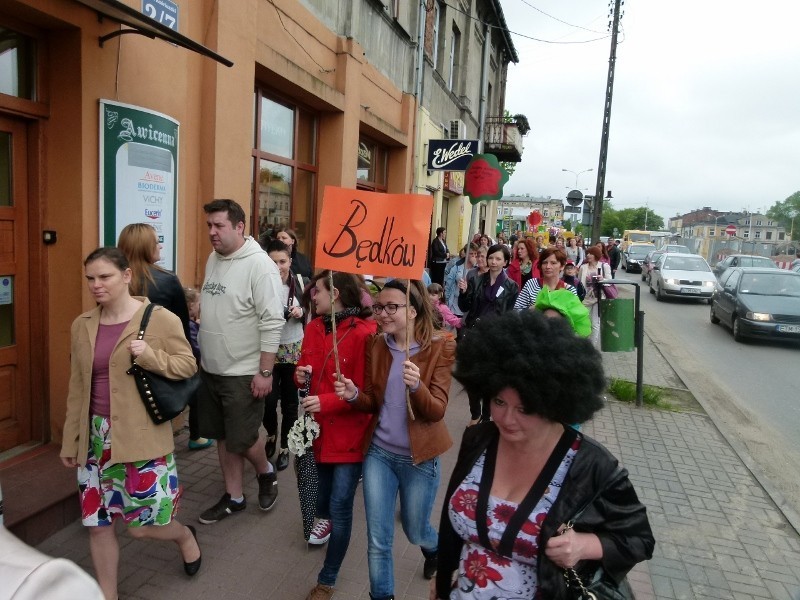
x=242 y=319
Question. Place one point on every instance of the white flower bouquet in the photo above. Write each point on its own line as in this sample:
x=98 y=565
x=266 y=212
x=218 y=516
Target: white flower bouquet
x=302 y=434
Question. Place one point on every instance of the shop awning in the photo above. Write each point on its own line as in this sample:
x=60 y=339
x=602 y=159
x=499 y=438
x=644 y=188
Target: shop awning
x=144 y=25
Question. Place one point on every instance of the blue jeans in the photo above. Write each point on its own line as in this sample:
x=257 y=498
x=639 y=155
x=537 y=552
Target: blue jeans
x=386 y=474
x=337 y=490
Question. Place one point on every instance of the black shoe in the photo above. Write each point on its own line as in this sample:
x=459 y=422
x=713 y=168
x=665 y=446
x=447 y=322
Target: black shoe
x=267 y=490
x=191 y=568
x=283 y=460
x=271 y=446
x=429 y=568
x=221 y=509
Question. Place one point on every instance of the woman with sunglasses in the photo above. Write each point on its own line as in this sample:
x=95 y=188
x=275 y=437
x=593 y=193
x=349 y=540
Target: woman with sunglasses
x=337 y=450
x=407 y=399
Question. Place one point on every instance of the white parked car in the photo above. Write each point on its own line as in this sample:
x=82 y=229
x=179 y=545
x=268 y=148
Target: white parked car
x=682 y=276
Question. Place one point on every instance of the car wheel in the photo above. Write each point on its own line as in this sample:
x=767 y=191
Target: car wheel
x=737 y=331
x=712 y=317
x=659 y=293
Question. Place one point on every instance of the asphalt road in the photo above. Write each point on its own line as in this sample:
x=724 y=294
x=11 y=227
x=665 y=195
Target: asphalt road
x=753 y=388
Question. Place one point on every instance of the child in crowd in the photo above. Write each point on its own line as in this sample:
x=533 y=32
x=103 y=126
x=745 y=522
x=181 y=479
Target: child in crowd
x=570 y=276
x=193 y=302
x=450 y=322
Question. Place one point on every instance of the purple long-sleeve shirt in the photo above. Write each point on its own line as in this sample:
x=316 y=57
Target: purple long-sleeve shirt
x=392 y=431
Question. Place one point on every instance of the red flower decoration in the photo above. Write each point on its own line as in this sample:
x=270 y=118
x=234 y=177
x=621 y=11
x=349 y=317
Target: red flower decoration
x=477 y=569
x=527 y=548
x=504 y=512
x=465 y=501
x=484 y=178
x=532 y=528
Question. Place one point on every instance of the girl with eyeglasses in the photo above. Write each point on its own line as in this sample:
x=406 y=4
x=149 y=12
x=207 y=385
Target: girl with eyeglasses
x=405 y=438
x=337 y=450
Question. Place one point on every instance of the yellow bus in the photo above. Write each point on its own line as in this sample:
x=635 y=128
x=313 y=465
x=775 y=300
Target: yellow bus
x=635 y=236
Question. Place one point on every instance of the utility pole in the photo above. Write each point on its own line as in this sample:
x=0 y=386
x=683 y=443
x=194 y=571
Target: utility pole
x=601 y=169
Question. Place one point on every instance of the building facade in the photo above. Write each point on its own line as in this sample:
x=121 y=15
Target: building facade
x=704 y=232
x=267 y=101
x=512 y=213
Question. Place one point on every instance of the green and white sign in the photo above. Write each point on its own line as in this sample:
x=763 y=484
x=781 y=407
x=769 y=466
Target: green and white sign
x=138 y=174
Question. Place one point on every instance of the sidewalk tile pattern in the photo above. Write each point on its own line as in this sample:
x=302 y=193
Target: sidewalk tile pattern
x=718 y=533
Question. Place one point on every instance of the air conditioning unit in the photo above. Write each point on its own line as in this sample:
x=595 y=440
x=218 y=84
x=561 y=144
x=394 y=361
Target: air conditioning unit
x=458 y=130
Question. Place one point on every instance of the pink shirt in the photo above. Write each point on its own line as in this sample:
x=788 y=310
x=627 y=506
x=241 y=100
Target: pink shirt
x=450 y=320
x=107 y=338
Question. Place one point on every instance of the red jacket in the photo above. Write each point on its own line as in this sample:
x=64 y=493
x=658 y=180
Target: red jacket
x=342 y=427
x=514 y=271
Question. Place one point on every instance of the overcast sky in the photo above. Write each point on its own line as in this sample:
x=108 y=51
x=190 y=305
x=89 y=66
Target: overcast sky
x=706 y=105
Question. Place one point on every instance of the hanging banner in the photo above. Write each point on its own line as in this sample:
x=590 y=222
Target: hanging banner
x=380 y=234
x=450 y=155
x=138 y=174
x=484 y=178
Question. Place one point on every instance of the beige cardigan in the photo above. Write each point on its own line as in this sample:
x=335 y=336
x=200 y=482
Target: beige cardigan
x=134 y=436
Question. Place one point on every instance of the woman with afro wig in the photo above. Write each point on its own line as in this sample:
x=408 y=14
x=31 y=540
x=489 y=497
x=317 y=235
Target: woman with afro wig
x=530 y=496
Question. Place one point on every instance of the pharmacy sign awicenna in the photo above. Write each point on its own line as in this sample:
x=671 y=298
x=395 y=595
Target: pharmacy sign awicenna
x=138 y=174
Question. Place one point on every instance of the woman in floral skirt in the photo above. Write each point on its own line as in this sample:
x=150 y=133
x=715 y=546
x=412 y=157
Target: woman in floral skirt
x=126 y=467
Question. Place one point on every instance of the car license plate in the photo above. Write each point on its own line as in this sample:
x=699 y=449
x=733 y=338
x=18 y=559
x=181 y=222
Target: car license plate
x=789 y=328
x=690 y=290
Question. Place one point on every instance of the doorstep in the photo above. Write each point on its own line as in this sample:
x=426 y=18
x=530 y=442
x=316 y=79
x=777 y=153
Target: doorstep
x=39 y=494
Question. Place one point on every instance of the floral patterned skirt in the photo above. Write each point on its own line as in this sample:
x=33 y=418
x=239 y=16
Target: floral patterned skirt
x=144 y=492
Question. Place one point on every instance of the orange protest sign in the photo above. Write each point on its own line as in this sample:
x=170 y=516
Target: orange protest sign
x=376 y=234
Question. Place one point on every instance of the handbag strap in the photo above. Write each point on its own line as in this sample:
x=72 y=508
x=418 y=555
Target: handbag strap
x=506 y=545
x=148 y=310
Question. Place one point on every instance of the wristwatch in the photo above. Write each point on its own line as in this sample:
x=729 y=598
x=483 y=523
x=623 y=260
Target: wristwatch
x=266 y=373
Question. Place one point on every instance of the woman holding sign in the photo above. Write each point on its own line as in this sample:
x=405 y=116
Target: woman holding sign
x=406 y=388
x=342 y=428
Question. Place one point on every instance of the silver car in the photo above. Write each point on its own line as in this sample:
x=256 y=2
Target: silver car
x=682 y=276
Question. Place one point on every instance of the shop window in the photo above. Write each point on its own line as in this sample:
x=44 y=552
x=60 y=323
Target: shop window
x=17 y=64
x=285 y=169
x=372 y=165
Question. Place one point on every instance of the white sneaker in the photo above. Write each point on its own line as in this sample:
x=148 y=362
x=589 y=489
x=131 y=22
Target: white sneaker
x=321 y=532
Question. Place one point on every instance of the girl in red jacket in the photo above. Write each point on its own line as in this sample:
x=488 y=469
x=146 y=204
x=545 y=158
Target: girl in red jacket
x=338 y=449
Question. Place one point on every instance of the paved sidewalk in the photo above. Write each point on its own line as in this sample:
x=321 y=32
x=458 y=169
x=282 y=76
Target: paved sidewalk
x=718 y=533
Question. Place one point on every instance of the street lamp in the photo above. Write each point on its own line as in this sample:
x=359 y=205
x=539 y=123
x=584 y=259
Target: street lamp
x=578 y=174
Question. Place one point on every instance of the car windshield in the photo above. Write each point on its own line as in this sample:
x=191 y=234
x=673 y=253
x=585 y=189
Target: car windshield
x=770 y=284
x=755 y=261
x=639 y=251
x=685 y=263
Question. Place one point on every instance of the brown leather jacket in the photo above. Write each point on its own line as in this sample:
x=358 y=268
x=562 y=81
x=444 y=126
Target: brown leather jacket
x=427 y=432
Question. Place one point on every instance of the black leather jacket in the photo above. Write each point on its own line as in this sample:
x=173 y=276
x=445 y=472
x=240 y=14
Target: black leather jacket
x=166 y=290
x=615 y=515
x=471 y=301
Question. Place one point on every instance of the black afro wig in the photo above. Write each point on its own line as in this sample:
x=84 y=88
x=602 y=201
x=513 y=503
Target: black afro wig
x=557 y=374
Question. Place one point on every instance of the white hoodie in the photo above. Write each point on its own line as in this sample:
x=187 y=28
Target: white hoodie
x=242 y=314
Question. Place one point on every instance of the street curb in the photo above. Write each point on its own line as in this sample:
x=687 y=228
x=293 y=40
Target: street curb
x=789 y=513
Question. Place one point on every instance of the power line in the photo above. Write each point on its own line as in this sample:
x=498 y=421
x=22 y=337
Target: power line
x=529 y=37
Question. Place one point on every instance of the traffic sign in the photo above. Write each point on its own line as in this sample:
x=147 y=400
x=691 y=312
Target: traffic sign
x=731 y=229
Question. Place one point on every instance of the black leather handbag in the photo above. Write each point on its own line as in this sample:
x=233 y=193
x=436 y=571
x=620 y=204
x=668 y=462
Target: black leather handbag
x=164 y=399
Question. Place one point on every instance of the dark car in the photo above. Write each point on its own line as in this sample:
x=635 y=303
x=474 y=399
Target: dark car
x=743 y=260
x=633 y=256
x=758 y=303
x=648 y=263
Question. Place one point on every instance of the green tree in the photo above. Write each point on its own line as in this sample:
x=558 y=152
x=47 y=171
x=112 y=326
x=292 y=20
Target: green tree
x=628 y=218
x=783 y=212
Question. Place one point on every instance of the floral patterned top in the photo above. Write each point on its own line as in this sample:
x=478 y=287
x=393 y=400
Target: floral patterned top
x=484 y=574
